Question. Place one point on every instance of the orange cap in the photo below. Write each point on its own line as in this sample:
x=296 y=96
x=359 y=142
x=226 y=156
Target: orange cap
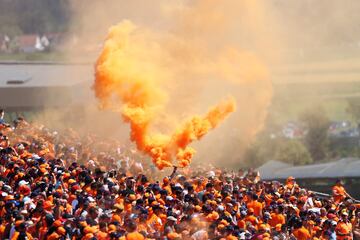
x=61 y=231
x=262 y=227
x=173 y=235
x=71 y=181
x=89 y=229
x=132 y=197
x=278 y=227
x=47 y=205
x=221 y=226
x=112 y=228
x=57 y=223
x=17 y=223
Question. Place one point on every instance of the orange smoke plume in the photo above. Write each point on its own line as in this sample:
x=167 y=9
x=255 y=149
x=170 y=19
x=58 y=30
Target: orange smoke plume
x=132 y=70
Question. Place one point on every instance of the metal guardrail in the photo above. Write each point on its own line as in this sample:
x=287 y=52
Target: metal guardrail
x=325 y=195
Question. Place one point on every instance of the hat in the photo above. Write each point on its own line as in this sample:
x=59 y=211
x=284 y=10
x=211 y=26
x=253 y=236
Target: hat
x=211 y=174
x=267 y=215
x=251 y=210
x=111 y=228
x=23 y=182
x=9 y=197
x=61 y=231
x=18 y=222
x=169 y=198
x=71 y=181
x=262 y=227
x=292 y=198
x=57 y=223
x=221 y=226
x=173 y=235
x=344 y=212
x=47 y=205
x=224 y=222
x=278 y=227
x=89 y=229
x=24 y=211
x=118 y=206
x=132 y=197
x=171 y=218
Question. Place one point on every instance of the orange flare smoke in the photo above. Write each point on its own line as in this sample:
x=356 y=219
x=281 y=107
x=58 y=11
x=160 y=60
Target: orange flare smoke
x=128 y=71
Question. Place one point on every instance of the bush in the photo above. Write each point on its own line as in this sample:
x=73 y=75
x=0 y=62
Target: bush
x=294 y=152
x=316 y=139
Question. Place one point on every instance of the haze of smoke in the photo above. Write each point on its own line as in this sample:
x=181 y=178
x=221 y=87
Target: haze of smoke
x=131 y=67
x=137 y=60
x=275 y=31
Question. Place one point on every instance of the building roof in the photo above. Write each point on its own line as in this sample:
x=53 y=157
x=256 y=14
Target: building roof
x=346 y=167
x=43 y=75
x=268 y=169
x=27 y=40
x=24 y=86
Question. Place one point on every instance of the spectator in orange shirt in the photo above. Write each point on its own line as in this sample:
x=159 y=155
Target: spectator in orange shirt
x=251 y=217
x=256 y=205
x=277 y=217
x=103 y=232
x=339 y=192
x=132 y=234
x=344 y=227
x=300 y=232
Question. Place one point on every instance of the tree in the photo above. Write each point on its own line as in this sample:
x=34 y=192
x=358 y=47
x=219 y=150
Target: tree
x=353 y=108
x=34 y=16
x=255 y=155
x=294 y=152
x=316 y=140
x=263 y=149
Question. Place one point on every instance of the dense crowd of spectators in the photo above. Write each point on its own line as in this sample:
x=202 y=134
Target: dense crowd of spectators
x=66 y=186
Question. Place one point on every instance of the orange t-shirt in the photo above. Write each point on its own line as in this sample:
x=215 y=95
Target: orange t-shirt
x=338 y=193
x=143 y=227
x=154 y=222
x=231 y=237
x=2 y=230
x=302 y=234
x=257 y=206
x=252 y=219
x=343 y=228
x=16 y=235
x=212 y=216
x=116 y=218
x=103 y=236
x=134 y=236
x=241 y=224
x=276 y=218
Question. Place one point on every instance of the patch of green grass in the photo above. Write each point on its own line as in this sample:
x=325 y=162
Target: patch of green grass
x=291 y=101
x=36 y=56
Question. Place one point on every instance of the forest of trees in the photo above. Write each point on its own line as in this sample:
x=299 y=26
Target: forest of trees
x=308 y=22
x=34 y=16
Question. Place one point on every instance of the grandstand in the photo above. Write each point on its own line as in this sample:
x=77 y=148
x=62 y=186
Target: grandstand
x=43 y=85
x=318 y=177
